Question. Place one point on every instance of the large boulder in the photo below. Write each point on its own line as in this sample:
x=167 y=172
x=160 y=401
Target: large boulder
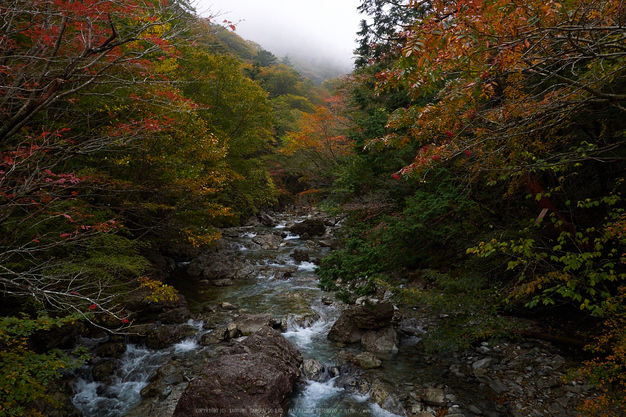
x=168 y=334
x=252 y=323
x=345 y=329
x=373 y=316
x=254 y=377
x=354 y=322
x=267 y=220
x=300 y=255
x=383 y=392
x=222 y=262
x=145 y=309
x=367 y=360
x=314 y=371
x=268 y=241
x=175 y=316
x=382 y=342
x=311 y=227
x=163 y=382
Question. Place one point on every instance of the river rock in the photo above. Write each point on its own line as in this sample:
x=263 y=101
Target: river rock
x=222 y=282
x=300 y=255
x=310 y=227
x=345 y=329
x=163 y=382
x=111 y=350
x=267 y=220
x=175 y=316
x=368 y=360
x=383 y=393
x=344 y=357
x=313 y=370
x=353 y=323
x=269 y=241
x=482 y=363
x=254 y=377
x=138 y=301
x=373 y=316
x=225 y=305
x=221 y=262
x=214 y=337
x=251 y=323
x=334 y=244
x=381 y=342
x=498 y=386
x=166 y=335
x=354 y=383
x=434 y=396
x=104 y=371
x=285 y=273
x=137 y=332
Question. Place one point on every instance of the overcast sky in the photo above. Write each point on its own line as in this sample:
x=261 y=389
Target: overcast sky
x=318 y=28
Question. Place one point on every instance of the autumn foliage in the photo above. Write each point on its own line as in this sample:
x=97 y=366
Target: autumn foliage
x=111 y=140
x=493 y=133
x=320 y=145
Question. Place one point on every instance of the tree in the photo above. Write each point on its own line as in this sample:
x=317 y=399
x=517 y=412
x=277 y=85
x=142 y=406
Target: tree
x=382 y=38
x=265 y=58
x=320 y=145
x=509 y=77
x=59 y=60
x=50 y=51
x=238 y=113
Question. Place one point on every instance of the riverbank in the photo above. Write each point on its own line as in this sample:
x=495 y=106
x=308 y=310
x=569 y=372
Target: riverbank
x=262 y=275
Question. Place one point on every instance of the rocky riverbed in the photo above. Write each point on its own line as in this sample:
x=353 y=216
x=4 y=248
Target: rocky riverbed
x=346 y=360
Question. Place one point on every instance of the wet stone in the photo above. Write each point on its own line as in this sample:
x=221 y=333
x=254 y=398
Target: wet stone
x=482 y=363
x=314 y=370
x=111 y=350
x=222 y=282
x=434 y=396
x=367 y=360
x=498 y=386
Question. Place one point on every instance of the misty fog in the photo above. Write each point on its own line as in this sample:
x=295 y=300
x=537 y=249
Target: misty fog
x=323 y=31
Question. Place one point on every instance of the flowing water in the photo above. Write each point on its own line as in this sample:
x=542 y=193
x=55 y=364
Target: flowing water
x=298 y=294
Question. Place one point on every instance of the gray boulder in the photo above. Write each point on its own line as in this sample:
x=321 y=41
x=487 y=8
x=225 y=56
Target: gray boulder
x=251 y=323
x=373 y=316
x=222 y=262
x=222 y=282
x=313 y=370
x=300 y=255
x=383 y=393
x=254 y=377
x=269 y=241
x=434 y=396
x=166 y=335
x=285 y=273
x=367 y=360
x=175 y=316
x=345 y=329
x=310 y=227
x=353 y=323
x=381 y=342
x=267 y=220
x=164 y=382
